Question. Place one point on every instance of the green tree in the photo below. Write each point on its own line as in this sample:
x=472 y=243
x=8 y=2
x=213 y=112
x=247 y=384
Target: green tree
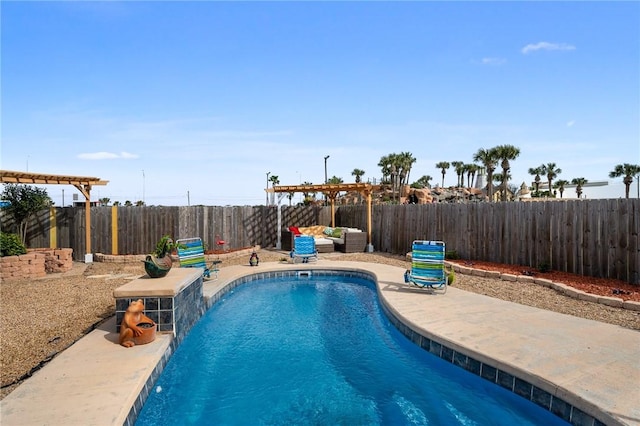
x=629 y=171
x=385 y=167
x=489 y=160
x=443 y=165
x=458 y=166
x=335 y=180
x=140 y=203
x=471 y=170
x=506 y=153
x=423 y=182
x=407 y=160
x=536 y=171
x=104 y=201
x=116 y=203
x=559 y=185
x=358 y=173
x=128 y=203
x=25 y=201
x=503 y=187
x=396 y=169
x=551 y=172
x=275 y=180
x=308 y=196
x=579 y=183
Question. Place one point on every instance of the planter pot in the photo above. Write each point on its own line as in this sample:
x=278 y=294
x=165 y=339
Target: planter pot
x=148 y=333
x=157 y=267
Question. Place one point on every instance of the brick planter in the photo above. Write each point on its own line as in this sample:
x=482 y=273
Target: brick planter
x=36 y=263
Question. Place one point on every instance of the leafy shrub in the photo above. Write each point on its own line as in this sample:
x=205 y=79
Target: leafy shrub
x=10 y=245
x=544 y=267
x=451 y=255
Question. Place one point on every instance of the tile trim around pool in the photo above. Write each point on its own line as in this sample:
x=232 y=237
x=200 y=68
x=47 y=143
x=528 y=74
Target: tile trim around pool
x=517 y=385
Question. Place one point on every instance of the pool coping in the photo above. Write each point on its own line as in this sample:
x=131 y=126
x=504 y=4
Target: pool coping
x=78 y=386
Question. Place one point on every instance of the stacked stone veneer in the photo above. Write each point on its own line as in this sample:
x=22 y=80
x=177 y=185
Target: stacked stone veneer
x=36 y=263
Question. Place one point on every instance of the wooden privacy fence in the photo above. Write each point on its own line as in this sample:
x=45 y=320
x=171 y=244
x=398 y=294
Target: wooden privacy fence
x=590 y=237
x=136 y=230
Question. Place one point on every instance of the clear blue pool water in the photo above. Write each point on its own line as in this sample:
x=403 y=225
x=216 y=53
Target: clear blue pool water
x=319 y=351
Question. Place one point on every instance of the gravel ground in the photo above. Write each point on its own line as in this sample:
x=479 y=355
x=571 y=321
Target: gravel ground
x=64 y=307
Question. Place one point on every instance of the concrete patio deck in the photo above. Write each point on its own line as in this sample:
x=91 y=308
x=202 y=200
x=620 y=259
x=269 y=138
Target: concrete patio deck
x=590 y=365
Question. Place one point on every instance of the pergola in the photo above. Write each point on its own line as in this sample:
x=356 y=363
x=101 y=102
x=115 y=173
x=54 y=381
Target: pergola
x=331 y=191
x=82 y=183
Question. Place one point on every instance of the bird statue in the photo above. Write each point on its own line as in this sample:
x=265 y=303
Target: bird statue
x=254 y=259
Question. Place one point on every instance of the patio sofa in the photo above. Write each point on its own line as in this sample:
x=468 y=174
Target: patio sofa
x=346 y=240
x=323 y=244
x=351 y=240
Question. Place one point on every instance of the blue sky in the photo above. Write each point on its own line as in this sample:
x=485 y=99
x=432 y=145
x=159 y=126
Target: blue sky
x=195 y=102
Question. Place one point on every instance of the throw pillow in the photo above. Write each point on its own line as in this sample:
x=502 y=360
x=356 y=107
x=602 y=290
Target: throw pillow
x=337 y=233
x=295 y=230
x=328 y=231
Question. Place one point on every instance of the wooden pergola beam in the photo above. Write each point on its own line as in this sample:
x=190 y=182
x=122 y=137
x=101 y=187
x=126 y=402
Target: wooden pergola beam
x=82 y=183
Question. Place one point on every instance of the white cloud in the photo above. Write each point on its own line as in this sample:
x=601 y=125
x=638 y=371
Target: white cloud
x=493 y=61
x=128 y=155
x=102 y=155
x=543 y=45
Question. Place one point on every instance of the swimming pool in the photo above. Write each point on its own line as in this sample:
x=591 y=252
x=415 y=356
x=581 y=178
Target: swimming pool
x=319 y=350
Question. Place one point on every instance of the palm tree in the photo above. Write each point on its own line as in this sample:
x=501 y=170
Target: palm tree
x=116 y=203
x=275 y=180
x=406 y=160
x=578 y=182
x=358 y=173
x=629 y=171
x=385 y=166
x=489 y=160
x=552 y=172
x=128 y=203
x=500 y=180
x=536 y=171
x=458 y=166
x=505 y=153
x=443 y=165
x=423 y=182
x=104 y=201
x=396 y=169
x=139 y=203
x=290 y=197
x=393 y=173
x=308 y=196
x=560 y=185
x=470 y=170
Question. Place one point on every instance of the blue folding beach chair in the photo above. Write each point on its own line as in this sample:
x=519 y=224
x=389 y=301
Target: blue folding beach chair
x=304 y=248
x=191 y=255
x=427 y=265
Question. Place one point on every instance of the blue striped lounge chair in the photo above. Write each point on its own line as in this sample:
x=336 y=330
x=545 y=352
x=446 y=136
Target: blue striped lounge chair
x=427 y=265
x=191 y=255
x=304 y=249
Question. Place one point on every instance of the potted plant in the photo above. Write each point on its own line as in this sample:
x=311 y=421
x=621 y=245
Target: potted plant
x=159 y=263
